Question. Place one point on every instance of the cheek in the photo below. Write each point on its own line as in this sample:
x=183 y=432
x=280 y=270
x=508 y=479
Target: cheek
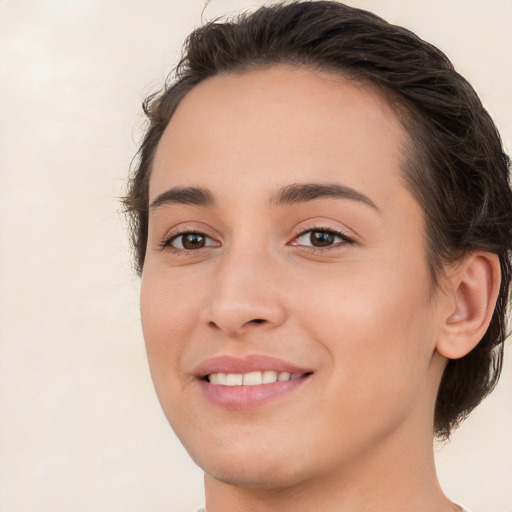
x=168 y=312
x=376 y=326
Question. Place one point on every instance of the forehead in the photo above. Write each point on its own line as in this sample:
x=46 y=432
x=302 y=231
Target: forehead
x=278 y=125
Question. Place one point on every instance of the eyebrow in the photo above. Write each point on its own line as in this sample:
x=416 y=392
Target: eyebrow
x=304 y=192
x=290 y=194
x=184 y=195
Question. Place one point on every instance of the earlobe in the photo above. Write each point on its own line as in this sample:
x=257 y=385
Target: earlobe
x=473 y=288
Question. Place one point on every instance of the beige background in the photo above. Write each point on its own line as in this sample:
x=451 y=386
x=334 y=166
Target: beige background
x=80 y=427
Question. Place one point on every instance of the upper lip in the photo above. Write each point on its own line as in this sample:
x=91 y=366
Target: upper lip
x=246 y=364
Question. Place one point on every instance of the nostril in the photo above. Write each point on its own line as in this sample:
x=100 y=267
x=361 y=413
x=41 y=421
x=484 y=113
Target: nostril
x=232 y=327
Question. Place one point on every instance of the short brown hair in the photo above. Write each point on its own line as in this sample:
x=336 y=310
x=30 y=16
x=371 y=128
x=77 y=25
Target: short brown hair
x=456 y=167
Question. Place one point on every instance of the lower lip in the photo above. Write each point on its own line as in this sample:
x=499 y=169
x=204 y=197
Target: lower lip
x=248 y=397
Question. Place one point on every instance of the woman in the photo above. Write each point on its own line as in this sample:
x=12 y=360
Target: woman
x=322 y=220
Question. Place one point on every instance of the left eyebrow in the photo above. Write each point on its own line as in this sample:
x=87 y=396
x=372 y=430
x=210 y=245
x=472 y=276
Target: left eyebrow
x=304 y=192
x=184 y=195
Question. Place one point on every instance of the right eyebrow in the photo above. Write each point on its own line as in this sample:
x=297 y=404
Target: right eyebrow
x=184 y=195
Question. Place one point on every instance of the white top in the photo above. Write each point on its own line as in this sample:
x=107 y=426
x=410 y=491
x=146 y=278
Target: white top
x=463 y=509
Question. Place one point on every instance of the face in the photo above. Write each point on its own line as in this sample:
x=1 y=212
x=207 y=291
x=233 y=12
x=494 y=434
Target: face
x=286 y=301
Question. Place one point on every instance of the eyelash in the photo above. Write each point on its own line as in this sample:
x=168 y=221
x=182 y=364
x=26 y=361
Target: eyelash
x=345 y=240
x=165 y=245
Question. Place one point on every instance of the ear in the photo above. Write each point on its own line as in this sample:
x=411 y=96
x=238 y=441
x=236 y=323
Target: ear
x=472 y=290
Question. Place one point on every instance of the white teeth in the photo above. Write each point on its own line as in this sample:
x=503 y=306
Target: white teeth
x=234 y=379
x=218 y=378
x=269 y=376
x=251 y=378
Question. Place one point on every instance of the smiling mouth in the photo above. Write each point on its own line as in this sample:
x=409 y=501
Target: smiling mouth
x=256 y=378
x=241 y=383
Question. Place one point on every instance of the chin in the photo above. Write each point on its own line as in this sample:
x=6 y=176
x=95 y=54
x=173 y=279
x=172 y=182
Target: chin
x=245 y=477
x=252 y=474
x=248 y=466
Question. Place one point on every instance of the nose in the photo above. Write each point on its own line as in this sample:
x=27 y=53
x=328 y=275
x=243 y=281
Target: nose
x=245 y=294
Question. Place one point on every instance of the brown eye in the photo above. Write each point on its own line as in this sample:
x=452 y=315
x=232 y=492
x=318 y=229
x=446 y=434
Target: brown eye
x=191 y=241
x=322 y=238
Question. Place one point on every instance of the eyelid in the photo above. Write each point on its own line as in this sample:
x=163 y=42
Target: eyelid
x=176 y=232
x=174 y=238
x=340 y=233
x=180 y=230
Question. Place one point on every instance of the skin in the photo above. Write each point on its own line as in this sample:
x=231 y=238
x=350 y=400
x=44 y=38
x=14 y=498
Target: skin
x=362 y=314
